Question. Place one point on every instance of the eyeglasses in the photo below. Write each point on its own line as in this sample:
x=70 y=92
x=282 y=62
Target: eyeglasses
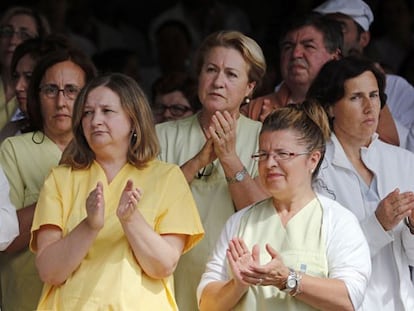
x=8 y=32
x=175 y=110
x=277 y=156
x=70 y=91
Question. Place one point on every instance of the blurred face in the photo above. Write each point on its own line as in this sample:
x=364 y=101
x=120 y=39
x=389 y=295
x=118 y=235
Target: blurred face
x=353 y=41
x=12 y=33
x=356 y=114
x=57 y=106
x=21 y=77
x=303 y=53
x=172 y=106
x=284 y=178
x=223 y=80
x=105 y=123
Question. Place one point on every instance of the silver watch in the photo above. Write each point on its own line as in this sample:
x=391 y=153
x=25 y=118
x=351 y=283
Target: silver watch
x=238 y=177
x=292 y=281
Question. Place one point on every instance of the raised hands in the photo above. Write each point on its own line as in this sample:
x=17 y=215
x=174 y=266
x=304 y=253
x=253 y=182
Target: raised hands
x=128 y=201
x=95 y=208
x=247 y=269
x=395 y=207
x=222 y=130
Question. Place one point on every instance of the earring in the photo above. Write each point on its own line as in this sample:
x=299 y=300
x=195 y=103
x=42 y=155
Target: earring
x=246 y=100
x=133 y=138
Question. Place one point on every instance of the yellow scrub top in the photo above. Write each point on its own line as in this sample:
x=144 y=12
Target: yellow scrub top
x=301 y=245
x=180 y=141
x=109 y=277
x=26 y=160
x=7 y=109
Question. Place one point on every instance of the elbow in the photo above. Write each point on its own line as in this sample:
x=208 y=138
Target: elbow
x=163 y=269
x=51 y=278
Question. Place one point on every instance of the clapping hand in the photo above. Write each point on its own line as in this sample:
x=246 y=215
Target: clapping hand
x=395 y=207
x=95 y=208
x=128 y=201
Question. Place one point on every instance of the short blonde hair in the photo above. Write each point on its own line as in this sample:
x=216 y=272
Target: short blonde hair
x=248 y=48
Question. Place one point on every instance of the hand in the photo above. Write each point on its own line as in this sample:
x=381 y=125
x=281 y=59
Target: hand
x=273 y=273
x=95 y=208
x=223 y=132
x=267 y=108
x=395 y=207
x=206 y=155
x=128 y=201
x=240 y=259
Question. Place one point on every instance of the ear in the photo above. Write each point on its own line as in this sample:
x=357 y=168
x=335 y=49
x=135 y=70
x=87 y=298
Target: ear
x=330 y=112
x=250 y=88
x=364 y=39
x=314 y=159
x=336 y=55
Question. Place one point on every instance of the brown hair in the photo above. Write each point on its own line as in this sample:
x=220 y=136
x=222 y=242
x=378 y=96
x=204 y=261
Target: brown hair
x=308 y=119
x=144 y=145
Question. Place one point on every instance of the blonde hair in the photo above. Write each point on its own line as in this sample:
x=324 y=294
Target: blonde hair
x=248 y=48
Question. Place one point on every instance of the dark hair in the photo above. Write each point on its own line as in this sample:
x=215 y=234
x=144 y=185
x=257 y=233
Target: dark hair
x=246 y=46
x=42 y=25
x=44 y=63
x=328 y=87
x=330 y=29
x=177 y=81
x=37 y=47
x=308 y=119
x=144 y=144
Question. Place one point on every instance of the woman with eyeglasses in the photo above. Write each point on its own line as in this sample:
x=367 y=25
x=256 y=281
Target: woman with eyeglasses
x=27 y=159
x=174 y=97
x=213 y=147
x=296 y=250
x=17 y=25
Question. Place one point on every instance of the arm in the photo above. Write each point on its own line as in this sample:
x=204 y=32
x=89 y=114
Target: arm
x=25 y=217
x=8 y=221
x=223 y=134
x=157 y=255
x=58 y=257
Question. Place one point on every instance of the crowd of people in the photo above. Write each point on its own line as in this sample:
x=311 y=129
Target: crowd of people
x=189 y=184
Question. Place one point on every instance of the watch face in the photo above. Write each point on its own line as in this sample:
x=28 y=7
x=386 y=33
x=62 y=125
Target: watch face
x=291 y=283
x=239 y=176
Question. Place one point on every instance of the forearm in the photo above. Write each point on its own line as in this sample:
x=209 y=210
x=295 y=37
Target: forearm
x=157 y=255
x=57 y=258
x=246 y=192
x=25 y=217
x=190 y=169
x=221 y=295
x=325 y=294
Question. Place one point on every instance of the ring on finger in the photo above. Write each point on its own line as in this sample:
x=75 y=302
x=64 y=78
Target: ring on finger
x=260 y=282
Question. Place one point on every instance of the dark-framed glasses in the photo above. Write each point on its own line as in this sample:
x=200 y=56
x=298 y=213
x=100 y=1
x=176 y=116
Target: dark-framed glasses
x=22 y=34
x=277 y=155
x=176 y=110
x=70 y=91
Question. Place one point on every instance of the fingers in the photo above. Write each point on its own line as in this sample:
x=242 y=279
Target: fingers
x=395 y=207
x=223 y=125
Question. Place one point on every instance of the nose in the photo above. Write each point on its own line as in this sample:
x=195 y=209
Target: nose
x=167 y=113
x=219 y=80
x=297 y=51
x=21 y=84
x=61 y=100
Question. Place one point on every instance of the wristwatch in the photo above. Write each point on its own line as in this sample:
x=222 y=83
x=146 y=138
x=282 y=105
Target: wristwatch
x=238 y=177
x=292 y=281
